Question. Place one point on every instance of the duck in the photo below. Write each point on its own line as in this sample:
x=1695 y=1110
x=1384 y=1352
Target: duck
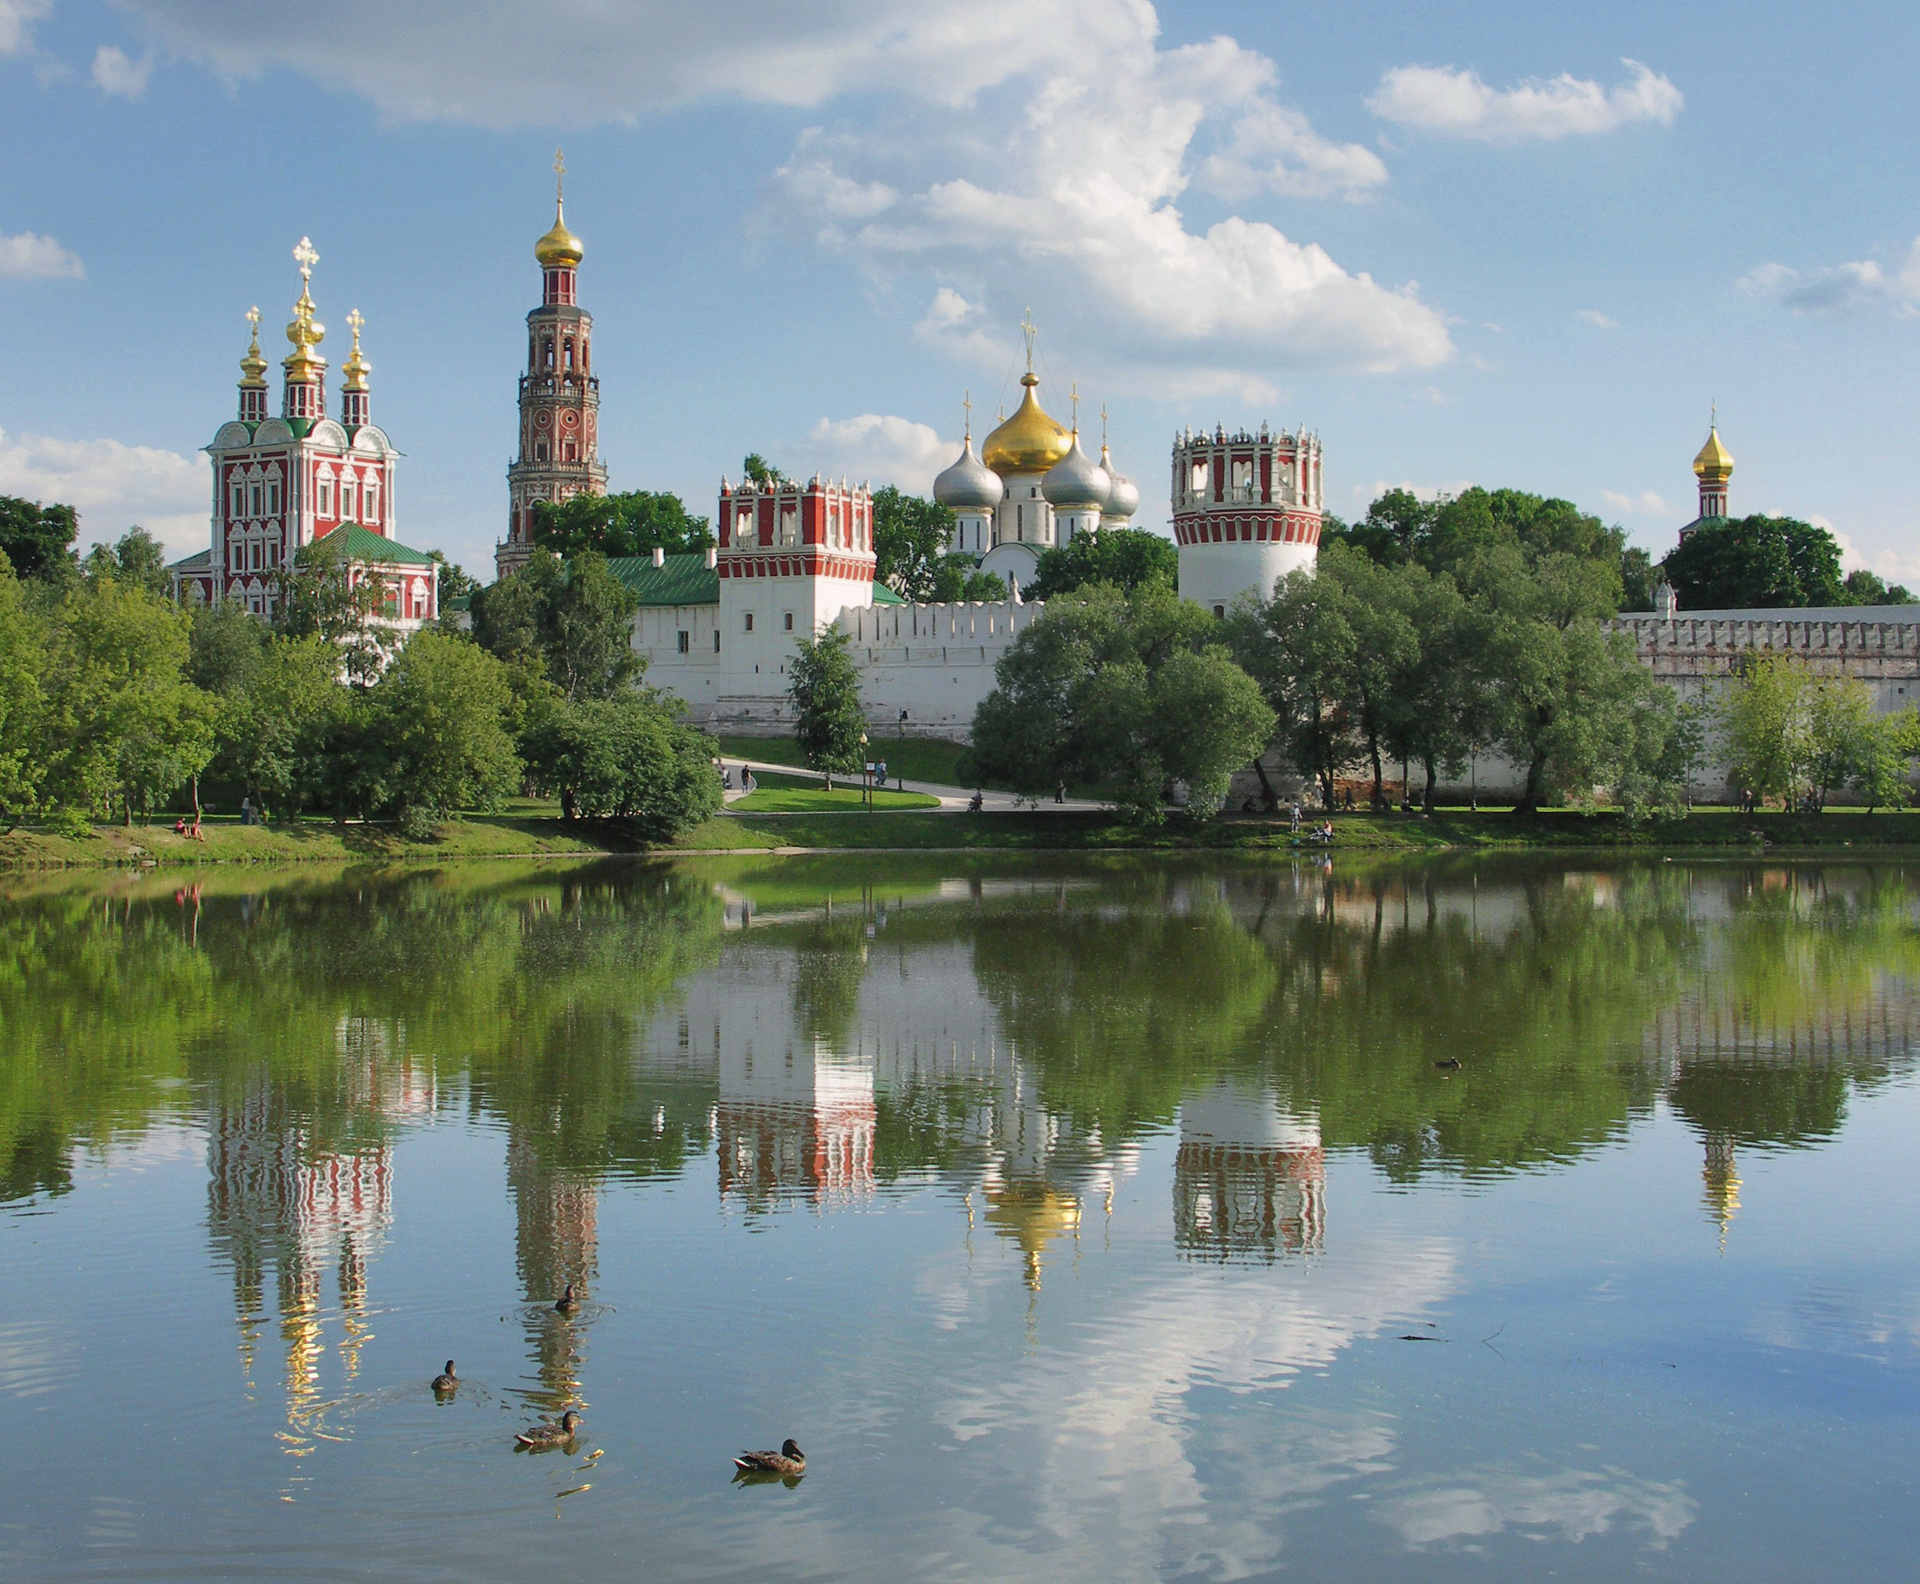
x=1449 y=1064
x=788 y=1460
x=567 y=1302
x=550 y=1435
x=447 y=1382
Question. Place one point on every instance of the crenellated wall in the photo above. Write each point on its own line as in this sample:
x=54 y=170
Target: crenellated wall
x=936 y=662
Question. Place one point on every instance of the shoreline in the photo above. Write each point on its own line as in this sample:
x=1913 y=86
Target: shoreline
x=1448 y=832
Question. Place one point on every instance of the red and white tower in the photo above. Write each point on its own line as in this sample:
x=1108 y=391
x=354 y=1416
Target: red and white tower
x=791 y=558
x=1246 y=511
x=559 y=394
x=1713 y=467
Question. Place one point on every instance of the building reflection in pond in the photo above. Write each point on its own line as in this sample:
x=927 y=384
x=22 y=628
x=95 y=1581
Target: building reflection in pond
x=1249 y=1181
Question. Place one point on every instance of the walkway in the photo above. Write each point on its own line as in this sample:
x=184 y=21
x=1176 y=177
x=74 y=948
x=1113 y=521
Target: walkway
x=952 y=799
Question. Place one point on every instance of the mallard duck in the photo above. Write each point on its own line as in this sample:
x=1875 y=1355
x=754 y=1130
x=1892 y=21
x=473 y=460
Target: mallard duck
x=447 y=1382
x=1450 y=1064
x=788 y=1460
x=567 y=1302
x=551 y=1435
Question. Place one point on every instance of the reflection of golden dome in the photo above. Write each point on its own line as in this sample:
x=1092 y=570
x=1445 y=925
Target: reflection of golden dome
x=1033 y=1215
x=1713 y=465
x=1029 y=441
x=559 y=248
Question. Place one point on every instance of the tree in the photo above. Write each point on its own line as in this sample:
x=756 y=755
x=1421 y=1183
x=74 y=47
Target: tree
x=1764 y=723
x=632 y=758
x=322 y=596
x=761 y=471
x=824 y=688
x=1756 y=562
x=958 y=578
x=226 y=644
x=23 y=647
x=436 y=720
x=910 y=538
x=1840 y=734
x=455 y=583
x=36 y=539
x=1441 y=709
x=631 y=524
x=135 y=559
x=1124 y=557
x=1883 y=765
x=279 y=735
x=1132 y=693
x=573 y=620
x=1299 y=645
x=1867 y=588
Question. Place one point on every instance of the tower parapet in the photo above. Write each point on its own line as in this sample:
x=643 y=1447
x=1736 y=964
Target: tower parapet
x=1246 y=511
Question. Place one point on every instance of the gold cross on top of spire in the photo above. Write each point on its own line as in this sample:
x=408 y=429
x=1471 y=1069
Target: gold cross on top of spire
x=1103 y=425
x=1028 y=332
x=306 y=258
x=559 y=174
x=966 y=401
x=1073 y=400
x=253 y=318
x=354 y=322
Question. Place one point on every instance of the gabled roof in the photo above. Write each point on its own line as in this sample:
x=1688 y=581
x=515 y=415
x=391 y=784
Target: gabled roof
x=882 y=595
x=363 y=544
x=683 y=579
x=199 y=561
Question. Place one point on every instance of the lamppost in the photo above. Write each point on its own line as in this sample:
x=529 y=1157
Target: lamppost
x=901 y=779
x=866 y=775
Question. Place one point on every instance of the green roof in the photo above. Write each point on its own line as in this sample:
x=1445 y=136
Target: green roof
x=199 y=561
x=686 y=579
x=882 y=595
x=363 y=544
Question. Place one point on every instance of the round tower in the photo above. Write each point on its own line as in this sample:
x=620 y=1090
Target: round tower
x=1246 y=511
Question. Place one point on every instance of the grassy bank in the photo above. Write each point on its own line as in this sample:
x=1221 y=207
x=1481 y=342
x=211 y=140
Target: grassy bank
x=916 y=758
x=909 y=830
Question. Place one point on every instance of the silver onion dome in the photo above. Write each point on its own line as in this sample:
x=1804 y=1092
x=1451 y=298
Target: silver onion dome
x=969 y=485
x=1076 y=481
x=1123 y=500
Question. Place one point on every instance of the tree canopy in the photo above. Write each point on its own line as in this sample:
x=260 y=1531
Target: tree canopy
x=1756 y=562
x=37 y=540
x=1123 y=557
x=824 y=689
x=571 y=622
x=632 y=524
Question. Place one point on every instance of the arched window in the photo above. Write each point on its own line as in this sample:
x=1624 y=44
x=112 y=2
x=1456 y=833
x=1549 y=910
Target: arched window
x=370 y=504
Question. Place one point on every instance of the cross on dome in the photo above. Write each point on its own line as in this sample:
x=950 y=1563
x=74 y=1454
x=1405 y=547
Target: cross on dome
x=354 y=322
x=966 y=401
x=306 y=258
x=559 y=174
x=253 y=318
x=1028 y=331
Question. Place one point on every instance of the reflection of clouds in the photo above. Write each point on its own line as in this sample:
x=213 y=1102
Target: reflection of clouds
x=1572 y=1505
x=1841 y=1322
x=35 y=1358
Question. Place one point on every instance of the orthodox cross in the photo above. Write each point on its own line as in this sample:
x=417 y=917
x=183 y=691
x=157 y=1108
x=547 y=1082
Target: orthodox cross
x=1028 y=332
x=253 y=318
x=559 y=174
x=306 y=258
x=1103 y=426
x=1073 y=399
x=354 y=322
x=966 y=401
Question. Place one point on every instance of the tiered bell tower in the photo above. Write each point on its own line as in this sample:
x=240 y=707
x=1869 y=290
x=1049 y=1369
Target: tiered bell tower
x=559 y=395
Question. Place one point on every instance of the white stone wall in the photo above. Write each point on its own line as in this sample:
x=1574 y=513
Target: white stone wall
x=936 y=662
x=1215 y=575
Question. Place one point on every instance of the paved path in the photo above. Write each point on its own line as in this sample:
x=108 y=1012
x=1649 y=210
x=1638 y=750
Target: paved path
x=952 y=799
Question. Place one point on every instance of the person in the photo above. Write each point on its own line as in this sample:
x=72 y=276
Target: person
x=180 y=826
x=1293 y=817
x=747 y=783
x=976 y=803
x=880 y=774
x=246 y=809
x=194 y=830
x=1060 y=792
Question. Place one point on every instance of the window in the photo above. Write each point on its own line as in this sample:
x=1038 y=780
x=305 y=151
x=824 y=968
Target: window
x=236 y=499
x=569 y=352
x=370 y=504
x=749 y=623
x=833 y=526
x=273 y=497
x=1220 y=611
x=325 y=503
x=716 y=640
x=789 y=525
x=685 y=643
x=253 y=500
x=567 y=450
x=743 y=525
x=549 y=353
x=540 y=451
x=787 y=621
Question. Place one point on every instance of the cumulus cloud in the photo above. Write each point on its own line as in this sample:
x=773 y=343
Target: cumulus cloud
x=1572 y=1505
x=112 y=486
x=31 y=257
x=1596 y=318
x=114 y=72
x=1022 y=144
x=16 y=24
x=884 y=449
x=1646 y=504
x=1839 y=289
x=1454 y=103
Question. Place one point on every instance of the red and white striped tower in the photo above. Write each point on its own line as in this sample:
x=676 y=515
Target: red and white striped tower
x=1246 y=511
x=559 y=394
x=791 y=558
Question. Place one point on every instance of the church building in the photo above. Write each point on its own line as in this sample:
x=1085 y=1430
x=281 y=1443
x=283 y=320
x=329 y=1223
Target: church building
x=281 y=483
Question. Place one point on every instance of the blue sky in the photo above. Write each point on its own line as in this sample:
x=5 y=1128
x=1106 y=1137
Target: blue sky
x=1494 y=244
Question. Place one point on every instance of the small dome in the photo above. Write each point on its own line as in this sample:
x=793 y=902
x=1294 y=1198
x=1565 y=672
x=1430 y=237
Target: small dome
x=1713 y=463
x=559 y=248
x=969 y=484
x=1028 y=442
x=1123 y=500
x=1076 y=480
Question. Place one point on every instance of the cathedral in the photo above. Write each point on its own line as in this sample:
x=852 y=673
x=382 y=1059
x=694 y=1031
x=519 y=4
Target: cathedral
x=282 y=483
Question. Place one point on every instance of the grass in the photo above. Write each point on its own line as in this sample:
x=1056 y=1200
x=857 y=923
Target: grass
x=778 y=794
x=917 y=758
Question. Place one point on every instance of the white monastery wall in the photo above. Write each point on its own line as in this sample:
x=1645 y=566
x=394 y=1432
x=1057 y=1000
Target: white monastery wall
x=935 y=662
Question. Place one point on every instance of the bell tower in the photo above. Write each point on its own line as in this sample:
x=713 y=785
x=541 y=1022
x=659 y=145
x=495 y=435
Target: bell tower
x=559 y=454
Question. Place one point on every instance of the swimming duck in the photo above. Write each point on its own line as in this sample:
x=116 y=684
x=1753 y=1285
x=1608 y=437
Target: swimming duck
x=568 y=1303
x=788 y=1460
x=1450 y=1064
x=447 y=1382
x=551 y=1435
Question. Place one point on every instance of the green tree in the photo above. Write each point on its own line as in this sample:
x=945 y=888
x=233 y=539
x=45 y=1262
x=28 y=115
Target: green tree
x=1132 y=693
x=761 y=471
x=1883 y=764
x=1756 y=563
x=226 y=644
x=910 y=539
x=631 y=758
x=958 y=578
x=23 y=649
x=1299 y=646
x=824 y=689
x=135 y=559
x=455 y=583
x=1840 y=734
x=572 y=620
x=1124 y=557
x=1764 y=721
x=1440 y=710
x=278 y=736
x=438 y=723
x=1636 y=579
x=36 y=539
x=1867 y=588
x=631 y=524
x=321 y=595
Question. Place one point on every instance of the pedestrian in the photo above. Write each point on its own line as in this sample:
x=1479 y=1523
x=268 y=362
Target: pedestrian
x=246 y=810
x=1293 y=817
x=1060 y=792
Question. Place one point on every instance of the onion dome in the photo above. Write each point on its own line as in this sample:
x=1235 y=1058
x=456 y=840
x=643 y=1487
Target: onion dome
x=305 y=333
x=253 y=367
x=1713 y=465
x=559 y=248
x=969 y=485
x=1076 y=480
x=356 y=368
x=1028 y=442
x=1123 y=500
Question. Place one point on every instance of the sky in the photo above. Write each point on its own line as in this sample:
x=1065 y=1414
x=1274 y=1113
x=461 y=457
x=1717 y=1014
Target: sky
x=1497 y=244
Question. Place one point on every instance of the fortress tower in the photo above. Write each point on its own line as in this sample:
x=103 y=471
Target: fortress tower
x=1712 y=467
x=1246 y=511
x=559 y=394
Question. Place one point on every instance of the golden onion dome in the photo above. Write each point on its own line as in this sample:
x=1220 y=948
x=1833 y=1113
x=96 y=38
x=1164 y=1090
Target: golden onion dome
x=253 y=367
x=1713 y=463
x=356 y=368
x=559 y=248
x=1029 y=441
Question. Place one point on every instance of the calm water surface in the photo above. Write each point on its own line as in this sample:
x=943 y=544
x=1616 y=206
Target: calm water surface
x=1082 y=1220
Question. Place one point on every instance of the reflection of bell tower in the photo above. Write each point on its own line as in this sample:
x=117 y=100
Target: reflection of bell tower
x=1721 y=1179
x=1249 y=1181
x=556 y=1241
x=798 y=1125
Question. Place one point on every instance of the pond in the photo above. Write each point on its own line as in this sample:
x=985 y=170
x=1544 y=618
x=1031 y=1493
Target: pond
x=1080 y=1219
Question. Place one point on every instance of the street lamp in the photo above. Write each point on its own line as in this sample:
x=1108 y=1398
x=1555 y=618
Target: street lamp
x=866 y=774
x=901 y=779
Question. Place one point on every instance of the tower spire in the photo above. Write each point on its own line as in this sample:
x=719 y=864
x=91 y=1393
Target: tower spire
x=253 y=375
x=966 y=401
x=353 y=390
x=1027 y=333
x=1073 y=402
x=304 y=398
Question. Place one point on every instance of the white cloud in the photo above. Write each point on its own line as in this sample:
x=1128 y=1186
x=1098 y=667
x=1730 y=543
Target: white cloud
x=1453 y=103
x=16 y=24
x=1596 y=318
x=112 y=486
x=1573 y=1505
x=1645 y=504
x=1367 y=494
x=883 y=449
x=1037 y=147
x=1841 y=288
x=114 y=72
x=958 y=327
x=30 y=257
